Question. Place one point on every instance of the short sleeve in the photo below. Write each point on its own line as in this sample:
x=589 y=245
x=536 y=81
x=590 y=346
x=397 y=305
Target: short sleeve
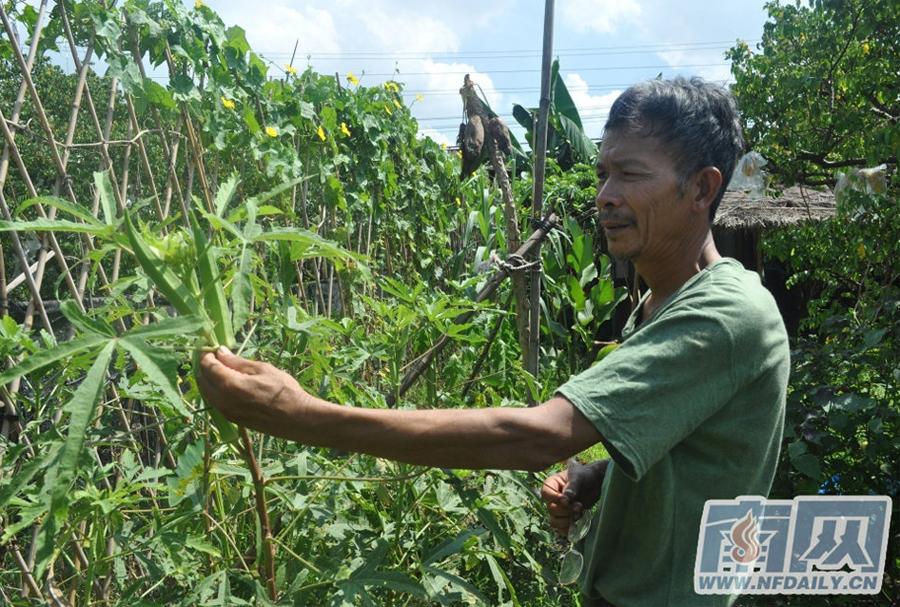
x=664 y=381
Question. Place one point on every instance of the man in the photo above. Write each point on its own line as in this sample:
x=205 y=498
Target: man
x=690 y=406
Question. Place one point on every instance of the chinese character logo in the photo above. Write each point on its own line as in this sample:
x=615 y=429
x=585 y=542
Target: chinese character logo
x=808 y=545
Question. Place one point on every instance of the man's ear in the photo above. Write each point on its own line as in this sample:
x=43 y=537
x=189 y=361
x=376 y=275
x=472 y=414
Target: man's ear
x=708 y=182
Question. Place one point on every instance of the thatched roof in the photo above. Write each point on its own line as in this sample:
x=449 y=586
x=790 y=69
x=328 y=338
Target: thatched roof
x=738 y=211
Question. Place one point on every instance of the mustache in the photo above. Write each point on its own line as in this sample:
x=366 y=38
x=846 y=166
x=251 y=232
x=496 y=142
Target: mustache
x=616 y=217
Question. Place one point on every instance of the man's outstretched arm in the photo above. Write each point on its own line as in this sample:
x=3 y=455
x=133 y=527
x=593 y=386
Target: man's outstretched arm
x=259 y=396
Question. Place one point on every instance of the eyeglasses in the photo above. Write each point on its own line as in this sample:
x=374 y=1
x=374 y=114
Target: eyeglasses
x=573 y=561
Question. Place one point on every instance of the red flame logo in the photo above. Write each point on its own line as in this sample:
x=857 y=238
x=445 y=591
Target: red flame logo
x=743 y=536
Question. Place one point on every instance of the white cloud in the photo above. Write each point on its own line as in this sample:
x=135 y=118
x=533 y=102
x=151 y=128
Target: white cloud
x=278 y=28
x=409 y=32
x=710 y=65
x=592 y=109
x=599 y=16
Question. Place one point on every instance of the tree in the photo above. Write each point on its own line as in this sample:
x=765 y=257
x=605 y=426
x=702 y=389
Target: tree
x=822 y=92
x=821 y=97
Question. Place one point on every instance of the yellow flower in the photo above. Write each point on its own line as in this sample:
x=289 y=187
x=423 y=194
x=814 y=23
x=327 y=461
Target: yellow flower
x=271 y=131
x=388 y=110
x=458 y=201
x=199 y=4
x=290 y=69
x=321 y=132
x=344 y=129
x=397 y=103
x=861 y=251
x=865 y=49
x=391 y=87
x=228 y=103
x=443 y=145
x=419 y=97
x=458 y=154
x=352 y=79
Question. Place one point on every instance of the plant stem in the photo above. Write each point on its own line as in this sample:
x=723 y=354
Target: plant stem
x=259 y=489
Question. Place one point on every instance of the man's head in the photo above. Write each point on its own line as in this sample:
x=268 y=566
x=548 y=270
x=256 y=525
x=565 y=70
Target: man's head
x=697 y=123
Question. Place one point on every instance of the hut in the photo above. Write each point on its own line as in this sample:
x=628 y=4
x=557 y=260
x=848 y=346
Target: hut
x=741 y=221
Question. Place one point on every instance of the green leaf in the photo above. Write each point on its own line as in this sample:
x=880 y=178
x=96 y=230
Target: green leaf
x=524 y=117
x=307 y=110
x=448 y=547
x=242 y=289
x=168 y=283
x=23 y=477
x=809 y=465
x=873 y=338
x=237 y=39
x=45 y=358
x=562 y=100
x=226 y=193
x=287 y=185
x=576 y=292
x=605 y=351
x=201 y=545
x=849 y=402
x=251 y=121
x=54 y=225
x=161 y=367
x=169 y=327
x=81 y=408
x=83 y=322
x=805 y=462
x=502 y=580
x=157 y=95
x=62 y=204
x=584 y=149
x=184 y=88
x=588 y=274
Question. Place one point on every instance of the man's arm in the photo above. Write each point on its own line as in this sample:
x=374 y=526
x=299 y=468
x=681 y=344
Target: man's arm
x=261 y=397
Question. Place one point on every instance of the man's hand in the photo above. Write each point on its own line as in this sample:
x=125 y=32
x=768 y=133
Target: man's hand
x=569 y=495
x=253 y=394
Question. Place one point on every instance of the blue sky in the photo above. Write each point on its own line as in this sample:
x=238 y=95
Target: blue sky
x=429 y=45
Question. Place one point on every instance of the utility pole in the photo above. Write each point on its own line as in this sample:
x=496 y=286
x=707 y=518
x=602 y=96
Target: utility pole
x=537 y=195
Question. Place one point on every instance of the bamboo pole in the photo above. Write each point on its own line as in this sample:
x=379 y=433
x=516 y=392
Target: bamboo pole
x=537 y=194
x=20 y=97
x=57 y=160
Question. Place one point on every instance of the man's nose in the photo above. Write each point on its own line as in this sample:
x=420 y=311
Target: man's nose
x=606 y=195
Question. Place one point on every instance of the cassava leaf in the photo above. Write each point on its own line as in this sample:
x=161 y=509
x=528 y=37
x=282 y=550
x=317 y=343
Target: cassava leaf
x=167 y=327
x=44 y=358
x=107 y=196
x=81 y=408
x=55 y=225
x=161 y=367
x=79 y=211
x=83 y=322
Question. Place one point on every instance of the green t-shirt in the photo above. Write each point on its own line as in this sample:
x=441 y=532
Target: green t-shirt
x=691 y=408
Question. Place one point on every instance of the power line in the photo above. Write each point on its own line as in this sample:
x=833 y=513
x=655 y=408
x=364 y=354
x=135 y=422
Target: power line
x=572 y=69
x=510 y=54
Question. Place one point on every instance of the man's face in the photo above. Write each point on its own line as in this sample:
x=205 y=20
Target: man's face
x=645 y=216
